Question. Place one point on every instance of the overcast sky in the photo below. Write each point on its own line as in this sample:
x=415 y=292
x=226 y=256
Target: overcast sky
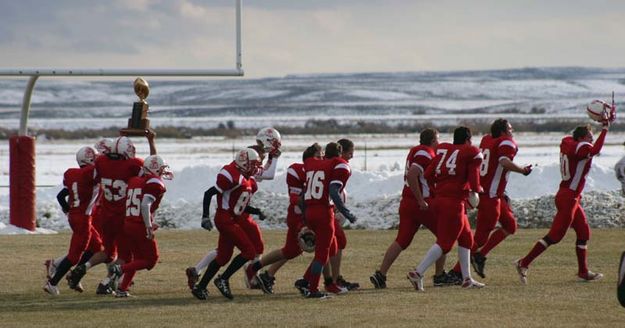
x=315 y=36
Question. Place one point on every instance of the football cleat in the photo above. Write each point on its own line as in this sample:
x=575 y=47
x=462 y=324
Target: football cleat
x=335 y=289
x=200 y=294
x=51 y=289
x=346 y=284
x=266 y=282
x=442 y=280
x=416 y=279
x=76 y=275
x=50 y=268
x=454 y=278
x=115 y=271
x=317 y=294
x=104 y=289
x=72 y=285
x=250 y=279
x=470 y=283
x=224 y=287
x=302 y=286
x=192 y=277
x=590 y=276
x=378 y=280
x=477 y=262
x=122 y=293
x=521 y=271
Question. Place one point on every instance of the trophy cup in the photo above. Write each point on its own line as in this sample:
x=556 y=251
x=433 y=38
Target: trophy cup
x=138 y=123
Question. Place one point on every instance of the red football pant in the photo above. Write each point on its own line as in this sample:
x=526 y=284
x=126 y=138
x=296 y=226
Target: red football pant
x=411 y=218
x=452 y=223
x=291 y=247
x=253 y=232
x=111 y=228
x=319 y=219
x=231 y=235
x=569 y=214
x=144 y=252
x=490 y=211
x=84 y=237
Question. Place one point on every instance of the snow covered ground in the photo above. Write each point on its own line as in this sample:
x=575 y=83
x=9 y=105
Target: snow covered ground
x=373 y=189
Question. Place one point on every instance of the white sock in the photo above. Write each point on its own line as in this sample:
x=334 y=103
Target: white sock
x=432 y=255
x=464 y=257
x=204 y=262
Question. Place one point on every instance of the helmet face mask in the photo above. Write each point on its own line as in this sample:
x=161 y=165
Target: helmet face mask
x=86 y=156
x=269 y=139
x=155 y=165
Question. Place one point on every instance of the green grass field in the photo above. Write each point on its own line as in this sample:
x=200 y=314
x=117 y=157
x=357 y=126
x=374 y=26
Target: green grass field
x=553 y=297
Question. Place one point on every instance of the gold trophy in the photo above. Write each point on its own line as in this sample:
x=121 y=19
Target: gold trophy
x=138 y=123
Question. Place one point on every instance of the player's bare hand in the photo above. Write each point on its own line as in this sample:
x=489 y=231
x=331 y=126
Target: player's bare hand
x=423 y=205
x=527 y=170
x=150 y=134
x=149 y=234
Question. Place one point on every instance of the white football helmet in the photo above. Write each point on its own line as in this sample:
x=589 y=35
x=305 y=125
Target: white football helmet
x=269 y=138
x=248 y=161
x=85 y=156
x=104 y=146
x=157 y=166
x=124 y=146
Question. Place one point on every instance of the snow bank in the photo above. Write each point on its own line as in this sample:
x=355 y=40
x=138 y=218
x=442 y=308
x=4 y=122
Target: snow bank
x=372 y=196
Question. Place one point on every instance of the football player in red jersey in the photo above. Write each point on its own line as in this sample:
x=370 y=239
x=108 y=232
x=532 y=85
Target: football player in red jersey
x=455 y=172
x=324 y=180
x=414 y=208
x=103 y=146
x=81 y=187
x=498 y=149
x=336 y=279
x=144 y=194
x=295 y=179
x=576 y=153
x=113 y=172
x=235 y=185
x=268 y=141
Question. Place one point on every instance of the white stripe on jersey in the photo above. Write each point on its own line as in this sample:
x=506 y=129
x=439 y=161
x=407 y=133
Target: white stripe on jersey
x=425 y=188
x=479 y=155
x=292 y=172
x=418 y=166
x=494 y=185
x=337 y=182
x=343 y=166
x=578 y=174
x=157 y=181
x=423 y=153
x=507 y=143
x=149 y=196
x=94 y=197
x=579 y=145
x=226 y=174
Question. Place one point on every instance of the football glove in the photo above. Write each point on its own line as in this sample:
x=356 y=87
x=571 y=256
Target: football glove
x=207 y=223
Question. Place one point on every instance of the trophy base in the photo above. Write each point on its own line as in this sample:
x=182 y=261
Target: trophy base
x=134 y=132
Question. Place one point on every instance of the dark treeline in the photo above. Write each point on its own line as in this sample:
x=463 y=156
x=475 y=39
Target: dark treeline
x=312 y=127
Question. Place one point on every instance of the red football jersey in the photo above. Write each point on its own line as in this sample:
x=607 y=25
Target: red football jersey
x=455 y=170
x=147 y=185
x=113 y=176
x=83 y=189
x=493 y=176
x=320 y=173
x=419 y=156
x=295 y=178
x=575 y=161
x=235 y=191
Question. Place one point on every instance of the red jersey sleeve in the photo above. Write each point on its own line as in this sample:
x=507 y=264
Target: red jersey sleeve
x=475 y=161
x=340 y=173
x=225 y=181
x=507 y=148
x=421 y=159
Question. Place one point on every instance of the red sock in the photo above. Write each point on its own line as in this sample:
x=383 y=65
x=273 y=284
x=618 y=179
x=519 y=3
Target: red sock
x=534 y=253
x=581 y=259
x=456 y=267
x=495 y=238
x=128 y=276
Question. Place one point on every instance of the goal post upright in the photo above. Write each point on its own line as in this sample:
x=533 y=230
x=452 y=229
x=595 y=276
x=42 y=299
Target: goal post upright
x=22 y=146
